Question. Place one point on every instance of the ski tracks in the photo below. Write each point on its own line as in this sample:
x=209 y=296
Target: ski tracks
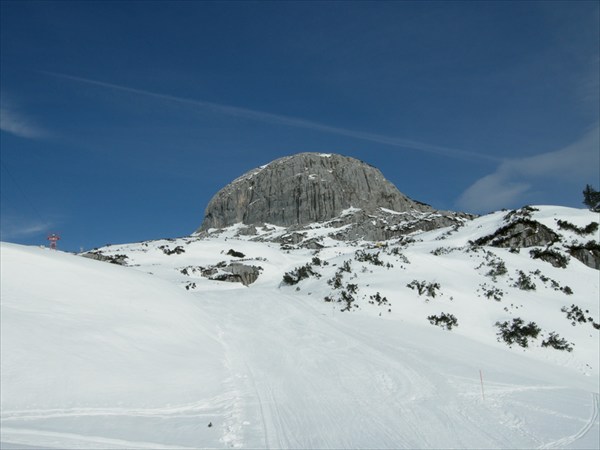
x=568 y=440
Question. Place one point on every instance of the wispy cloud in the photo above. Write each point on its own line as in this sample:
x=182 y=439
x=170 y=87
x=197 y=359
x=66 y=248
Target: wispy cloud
x=514 y=179
x=280 y=119
x=14 y=122
x=18 y=228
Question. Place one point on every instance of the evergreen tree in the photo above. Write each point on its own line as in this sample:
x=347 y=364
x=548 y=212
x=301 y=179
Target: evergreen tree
x=591 y=198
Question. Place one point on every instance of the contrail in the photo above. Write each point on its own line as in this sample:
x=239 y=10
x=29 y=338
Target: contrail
x=280 y=119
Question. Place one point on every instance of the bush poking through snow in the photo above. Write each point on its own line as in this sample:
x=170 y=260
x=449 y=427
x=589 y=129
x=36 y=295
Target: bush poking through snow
x=422 y=287
x=592 y=227
x=444 y=320
x=377 y=298
x=352 y=288
x=517 y=332
x=498 y=268
x=524 y=212
x=419 y=286
x=555 y=341
x=346 y=266
x=492 y=292
x=298 y=274
x=316 y=261
x=524 y=282
x=576 y=315
x=346 y=297
x=167 y=251
x=235 y=254
x=551 y=256
x=373 y=258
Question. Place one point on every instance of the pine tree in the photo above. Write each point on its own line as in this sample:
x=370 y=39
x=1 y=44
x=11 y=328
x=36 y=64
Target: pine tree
x=591 y=198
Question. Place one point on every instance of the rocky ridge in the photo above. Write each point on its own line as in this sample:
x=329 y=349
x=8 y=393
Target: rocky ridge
x=299 y=191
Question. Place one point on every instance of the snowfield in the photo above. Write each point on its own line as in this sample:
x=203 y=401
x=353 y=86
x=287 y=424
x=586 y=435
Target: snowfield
x=159 y=355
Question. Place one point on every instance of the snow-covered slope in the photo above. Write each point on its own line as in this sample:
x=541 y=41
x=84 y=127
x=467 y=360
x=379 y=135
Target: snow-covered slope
x=330 y=347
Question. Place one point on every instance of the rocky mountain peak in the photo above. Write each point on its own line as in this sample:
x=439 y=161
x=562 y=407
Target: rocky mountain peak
x=305 y=188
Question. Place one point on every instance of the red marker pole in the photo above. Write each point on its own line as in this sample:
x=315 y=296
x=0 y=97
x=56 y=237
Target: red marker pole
x=481 y=379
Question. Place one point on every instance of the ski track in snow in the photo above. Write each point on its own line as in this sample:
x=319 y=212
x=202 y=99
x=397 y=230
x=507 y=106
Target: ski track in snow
x=394 y=384
x=568 y=440
x=390 y=386
x=53 y=440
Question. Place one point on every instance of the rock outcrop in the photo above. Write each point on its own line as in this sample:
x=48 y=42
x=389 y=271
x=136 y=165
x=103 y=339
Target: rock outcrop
x=305 y=188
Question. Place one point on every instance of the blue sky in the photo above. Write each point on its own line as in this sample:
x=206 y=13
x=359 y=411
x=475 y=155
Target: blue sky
x=120 y=120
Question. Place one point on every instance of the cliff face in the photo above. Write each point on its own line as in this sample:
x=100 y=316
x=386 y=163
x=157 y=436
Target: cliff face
x=304 y=188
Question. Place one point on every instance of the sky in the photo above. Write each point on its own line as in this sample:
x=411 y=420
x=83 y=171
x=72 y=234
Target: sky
x=120 y=120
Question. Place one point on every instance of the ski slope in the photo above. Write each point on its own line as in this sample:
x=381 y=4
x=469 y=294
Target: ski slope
x=96 y=355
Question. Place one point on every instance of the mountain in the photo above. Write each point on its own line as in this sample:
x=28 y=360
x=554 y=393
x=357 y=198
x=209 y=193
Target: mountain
x=481 y=334
x=308 y=188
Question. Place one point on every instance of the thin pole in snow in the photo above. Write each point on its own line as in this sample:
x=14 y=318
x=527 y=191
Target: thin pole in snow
x=481 y=379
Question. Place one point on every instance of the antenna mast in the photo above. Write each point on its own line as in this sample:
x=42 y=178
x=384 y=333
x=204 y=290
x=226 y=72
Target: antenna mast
x=53 y=238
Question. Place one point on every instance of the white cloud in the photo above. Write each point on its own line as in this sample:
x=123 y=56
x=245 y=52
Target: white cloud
x=281 y=119
x=15 y=228
x=515 y=178
x=13 y=122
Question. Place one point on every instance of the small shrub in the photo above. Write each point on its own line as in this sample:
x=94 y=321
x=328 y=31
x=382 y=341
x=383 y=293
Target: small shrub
x=377 y=298
x=395 y=251
x=498 y=268
x=346 y=297
x=517 y=332
x=298 y=274
x=575 y=314
x=235 y=254
x=346 y=267
x=167 y=251
x=431 y=288
x=352 y=288
x=444 y=320
x=552 y=256
x=524 y=212
x=373 y=258
x=524 y=282
x=419 y=286
x=441 y=251
x=422 y=287
x=555 y=341
x=316 y=261
x=492 y=292
x=592 y=227
x=336 y=281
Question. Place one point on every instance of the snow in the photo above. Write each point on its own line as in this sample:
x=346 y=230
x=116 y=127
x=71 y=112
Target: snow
x=391 y=211
x=96 y=355
x=349 y=211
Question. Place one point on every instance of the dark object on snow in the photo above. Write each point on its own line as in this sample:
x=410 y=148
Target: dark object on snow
x=235 y=254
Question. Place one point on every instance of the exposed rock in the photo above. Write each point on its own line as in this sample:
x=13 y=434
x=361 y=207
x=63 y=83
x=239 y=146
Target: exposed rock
x=333 y=190
x=313 y=244
x=247 y=231
x=291 y=238
x=99 y=256
x=520 y=233
x=233 y=273
x=383 y=225
x=589 y=254
x=302 y=189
